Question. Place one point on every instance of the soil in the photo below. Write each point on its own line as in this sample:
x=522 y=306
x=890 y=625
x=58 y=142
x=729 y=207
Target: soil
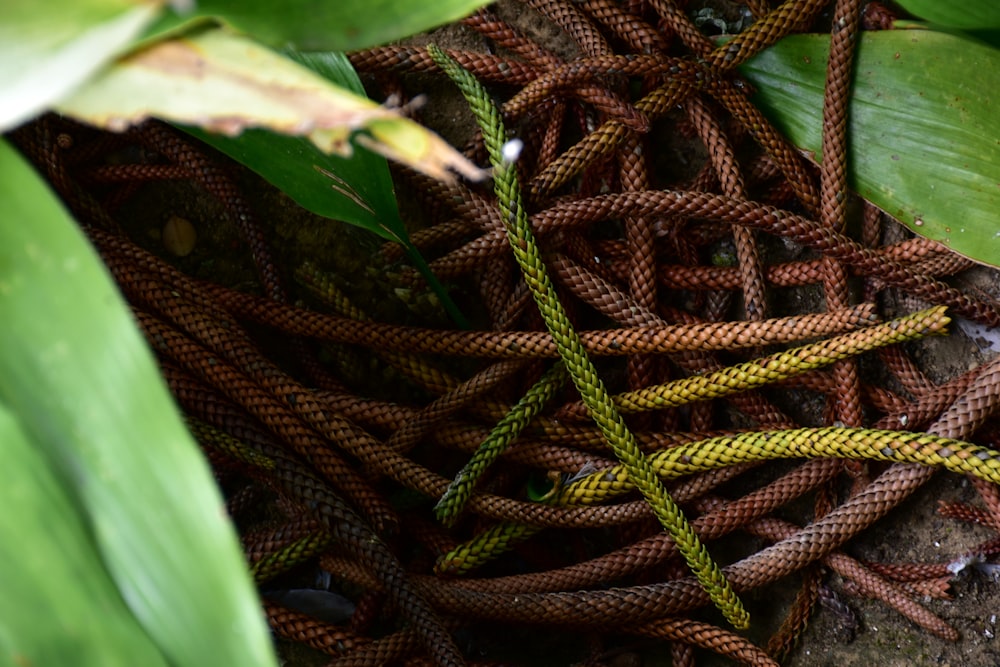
x=913 y=533
x=853 y=631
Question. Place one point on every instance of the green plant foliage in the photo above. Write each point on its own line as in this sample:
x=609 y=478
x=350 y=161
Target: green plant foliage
x=119 y=552
x=48 y=49
x=967 y=14
x=83 y=388
x=218 y=80
x=356 y=189
x=59 y=605
x=322 y=25
x=227 y=83
x=923 y=128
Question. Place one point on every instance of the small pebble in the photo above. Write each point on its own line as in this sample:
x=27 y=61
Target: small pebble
x=179 y=236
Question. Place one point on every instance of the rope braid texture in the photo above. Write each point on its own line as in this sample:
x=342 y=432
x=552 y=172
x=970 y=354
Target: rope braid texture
x=779 y=366
x=495 y=541
x=578 y=364
x=833 y=442
x=335 y=459
x=505 y=432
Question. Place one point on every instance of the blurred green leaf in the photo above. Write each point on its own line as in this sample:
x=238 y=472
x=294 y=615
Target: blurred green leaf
x=79 y=379
x=59 y=606
x=322 y=25
x=59 y=54
x=48 y=49
x=972 y=14
x=924 y=132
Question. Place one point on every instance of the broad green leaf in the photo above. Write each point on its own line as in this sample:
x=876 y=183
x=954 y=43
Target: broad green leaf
x=322 y=25
x=83 y=385
x=48 y=49
x=357 y=189
x=970 y=14
x=59 y=606
x=227 y=83
x=988 y=36
x=924 y=132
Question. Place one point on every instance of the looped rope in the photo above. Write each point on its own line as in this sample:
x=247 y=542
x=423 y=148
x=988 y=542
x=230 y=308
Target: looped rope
x=581 y=369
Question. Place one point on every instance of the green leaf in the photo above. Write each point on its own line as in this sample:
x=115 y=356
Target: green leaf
x=59 y=606
x=227 y=83
x=924 y=132
x=84 y=387
x=323 y=25
x=971 y=14
x=47 y=49
x=357 y=189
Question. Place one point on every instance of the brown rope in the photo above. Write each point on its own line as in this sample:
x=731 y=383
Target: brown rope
x=326 y=474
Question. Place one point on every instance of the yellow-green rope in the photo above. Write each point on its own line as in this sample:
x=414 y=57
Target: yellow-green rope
x=296 y=553
x=782 y=365
x=504 y=433
x=484 y=547
x=581 y=369
x=491 y=543
x=213 y=438
x=828 y=442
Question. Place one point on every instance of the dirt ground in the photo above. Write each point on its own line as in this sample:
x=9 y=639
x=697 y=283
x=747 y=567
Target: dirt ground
x=877 y=635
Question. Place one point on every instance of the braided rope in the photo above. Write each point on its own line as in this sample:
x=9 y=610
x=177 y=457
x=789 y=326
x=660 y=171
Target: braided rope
x=484 y=547
x=209 y=436
x=836 y=442
x=296 y=553
x=778 y=366
x=504 y=433
x=572 y=352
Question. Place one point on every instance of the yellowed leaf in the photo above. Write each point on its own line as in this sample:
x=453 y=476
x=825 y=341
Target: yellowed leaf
x=49 y=49
x=226 y=83
x=402 y=140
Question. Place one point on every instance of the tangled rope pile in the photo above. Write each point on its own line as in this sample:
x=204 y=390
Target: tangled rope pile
x=586 y=253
